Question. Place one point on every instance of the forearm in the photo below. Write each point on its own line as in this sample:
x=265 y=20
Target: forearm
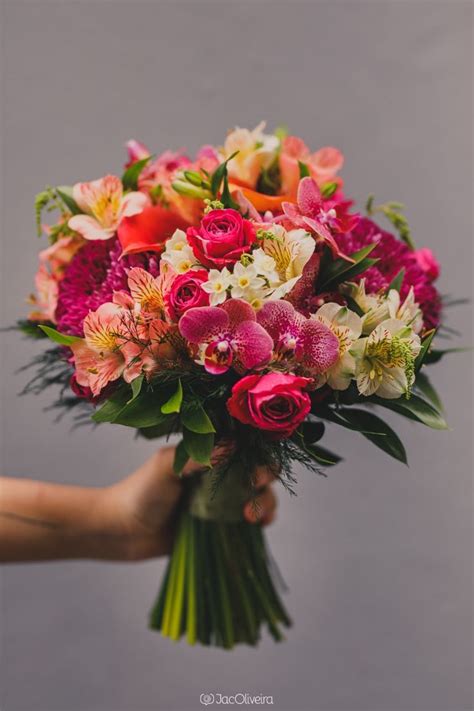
x=42 y=521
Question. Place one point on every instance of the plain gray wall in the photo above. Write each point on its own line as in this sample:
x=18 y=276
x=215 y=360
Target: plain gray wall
x=378 y=556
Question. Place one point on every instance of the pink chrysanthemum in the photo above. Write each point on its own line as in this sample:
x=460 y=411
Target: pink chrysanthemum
x=393 y=255
x=91 y=278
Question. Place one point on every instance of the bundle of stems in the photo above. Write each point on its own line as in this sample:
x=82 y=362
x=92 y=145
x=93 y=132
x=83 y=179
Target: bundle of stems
x=218 y=587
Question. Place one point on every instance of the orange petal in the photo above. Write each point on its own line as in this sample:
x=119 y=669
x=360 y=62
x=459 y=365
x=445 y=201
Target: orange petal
x=264 y=202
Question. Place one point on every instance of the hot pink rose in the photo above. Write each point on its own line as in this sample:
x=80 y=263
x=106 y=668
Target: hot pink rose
x=186 y=292
x=221 y=238
x=428 y=262
x=274 y=402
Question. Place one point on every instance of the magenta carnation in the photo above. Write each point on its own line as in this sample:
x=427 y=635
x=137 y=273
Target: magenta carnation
x=393 y=255
x=91 y=278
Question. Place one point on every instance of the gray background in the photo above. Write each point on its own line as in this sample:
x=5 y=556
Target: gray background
x=378 y=556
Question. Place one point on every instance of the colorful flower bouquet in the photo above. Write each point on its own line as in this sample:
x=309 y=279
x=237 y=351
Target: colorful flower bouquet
x=238 y=300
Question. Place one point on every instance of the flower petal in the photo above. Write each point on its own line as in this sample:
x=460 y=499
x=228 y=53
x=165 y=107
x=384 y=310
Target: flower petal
x=320 y=347
x=89 y=227
x=253 y=345
x=200 y=324
x=238 y=311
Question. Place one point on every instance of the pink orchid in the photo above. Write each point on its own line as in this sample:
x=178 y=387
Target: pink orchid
x=227 y=336
x=299 y=341
x=104 y=205
x=310 y=213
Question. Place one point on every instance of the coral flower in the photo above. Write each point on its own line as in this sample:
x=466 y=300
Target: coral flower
x=227 y=336
x=322 y=165
x=147 y=231
x=104 y=205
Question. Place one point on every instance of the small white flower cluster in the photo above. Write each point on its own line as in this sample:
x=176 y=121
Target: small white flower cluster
x=269 y=271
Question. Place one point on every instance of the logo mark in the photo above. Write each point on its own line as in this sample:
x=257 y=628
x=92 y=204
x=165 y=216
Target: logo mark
x=206 y=699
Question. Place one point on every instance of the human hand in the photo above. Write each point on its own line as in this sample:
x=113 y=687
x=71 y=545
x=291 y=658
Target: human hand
x=141 y=509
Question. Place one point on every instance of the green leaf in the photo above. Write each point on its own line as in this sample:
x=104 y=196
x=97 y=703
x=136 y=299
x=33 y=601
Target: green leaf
x=57 y=337
x=195 y=418
x=132 y=173
x=376 y=431
x=397 y=281
x=304 y=170
x=220 y=174
x=181 y=457
x=425 y=387
x=198 y=446
x=311 y=431
x=175 y=401
x=112 y=407
x=342 y=270
x=65 y=193
x=163 y=429
x=425 y=347
x=322 y=455
x=328 y=190
x=136 y=386
x=435 y=355
x=415 y=409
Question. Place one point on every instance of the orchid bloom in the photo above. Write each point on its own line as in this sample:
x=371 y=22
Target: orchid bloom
x=385 y=360
x=227 y=336
x=104 y=205
x=298 y=341
x=346 y=325
x=310 y=214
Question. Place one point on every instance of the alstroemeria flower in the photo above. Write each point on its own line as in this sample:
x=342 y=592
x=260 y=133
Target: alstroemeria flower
x=136 y=151
x=310 y=213
x=227 y=336
x=290 y=251
x=98 y=357
x=300 y=342
x=46 y=298
x=347 y=327
x=322 y=165
x=148 y=291
x=256 y=151
x=385 y=360
x=104 y=205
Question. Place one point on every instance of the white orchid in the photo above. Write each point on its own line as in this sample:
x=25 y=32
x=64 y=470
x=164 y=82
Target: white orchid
x=385 y=360
x=347 y=327
x=216 y=285
x=178 y=253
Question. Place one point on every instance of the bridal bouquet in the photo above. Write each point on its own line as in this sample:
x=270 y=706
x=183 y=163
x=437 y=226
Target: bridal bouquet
x=237 y=300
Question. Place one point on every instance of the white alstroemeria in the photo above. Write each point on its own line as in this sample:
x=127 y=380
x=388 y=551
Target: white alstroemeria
x=291 y=251
x=407 y=311
x=256 y=151
x=216 y=285
x=244 y=279
x=178 y=253
x=385 y=360
x=347 y=327
x=374 y=306
x=265 y=266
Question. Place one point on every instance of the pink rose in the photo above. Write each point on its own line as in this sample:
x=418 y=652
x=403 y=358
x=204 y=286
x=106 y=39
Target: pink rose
x=274 y=402
x=186 y=292
x=222 y=237
x=428 y=262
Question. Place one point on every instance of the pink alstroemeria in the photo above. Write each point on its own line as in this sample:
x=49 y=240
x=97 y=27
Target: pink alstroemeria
x=136 y=151
x=227 y=336
x=322 y=165
x=98 y=357
x=311 y=213
x=104 y=205
x=299 y=341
